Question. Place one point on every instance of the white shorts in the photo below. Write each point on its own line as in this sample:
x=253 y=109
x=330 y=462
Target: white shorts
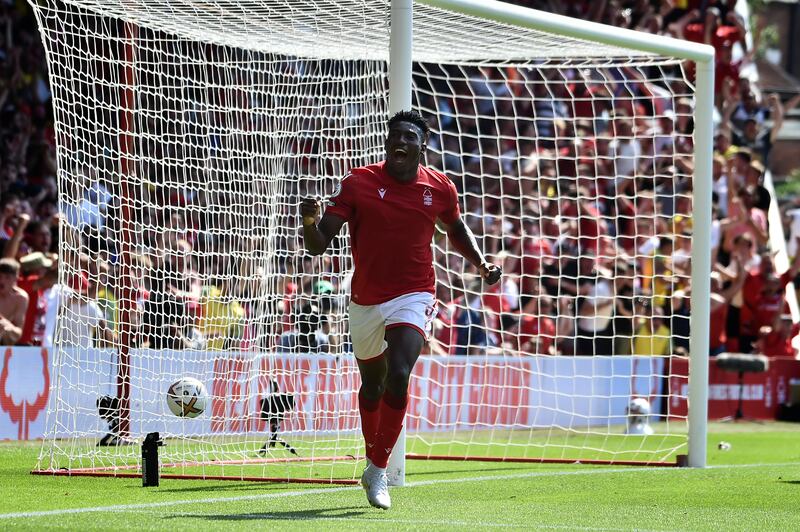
x=368 y=324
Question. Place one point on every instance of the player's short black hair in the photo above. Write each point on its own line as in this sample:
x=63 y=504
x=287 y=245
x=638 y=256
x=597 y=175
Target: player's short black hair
x=412 y=117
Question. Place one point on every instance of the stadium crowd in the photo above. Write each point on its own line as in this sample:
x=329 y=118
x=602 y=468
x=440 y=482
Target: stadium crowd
x=594 y=234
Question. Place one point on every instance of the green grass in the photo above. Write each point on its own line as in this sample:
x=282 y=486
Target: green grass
x=753 y=486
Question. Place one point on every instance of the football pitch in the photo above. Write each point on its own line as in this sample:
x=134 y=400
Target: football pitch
x=755 y=485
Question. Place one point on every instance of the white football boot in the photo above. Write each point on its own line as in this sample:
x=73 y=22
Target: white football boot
x=376 y=485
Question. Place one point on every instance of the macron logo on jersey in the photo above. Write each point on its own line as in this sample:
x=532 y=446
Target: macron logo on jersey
x=382 y=192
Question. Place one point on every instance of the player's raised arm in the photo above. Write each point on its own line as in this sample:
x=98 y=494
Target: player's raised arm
x=460 y=235
x=317 y=234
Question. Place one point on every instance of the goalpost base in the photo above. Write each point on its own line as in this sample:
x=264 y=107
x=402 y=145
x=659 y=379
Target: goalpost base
x=542 y=460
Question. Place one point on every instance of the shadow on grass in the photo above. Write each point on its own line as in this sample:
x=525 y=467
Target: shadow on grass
x=510 y=469
x=296 y=515
x=796 y=482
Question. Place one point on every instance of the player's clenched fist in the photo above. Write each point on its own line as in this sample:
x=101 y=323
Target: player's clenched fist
x=309 y=210
x=490 y=272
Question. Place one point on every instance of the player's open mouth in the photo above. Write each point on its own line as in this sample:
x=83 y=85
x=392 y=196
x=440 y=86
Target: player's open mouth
x=400 y=154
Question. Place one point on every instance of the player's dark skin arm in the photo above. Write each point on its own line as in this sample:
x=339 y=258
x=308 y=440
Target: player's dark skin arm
x=460 y=235
x=317 y=234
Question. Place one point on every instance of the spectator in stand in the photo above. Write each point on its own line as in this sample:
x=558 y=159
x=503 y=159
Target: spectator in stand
x=303 y=338
x=652 y=336
x=39 y=237
x=172 y=288
x=744 y=220
x=536 y=331
x=13 y=221
x=221 y=317
x=679 y=321
x=763 y=298
x=330 y=307
x=470 y=334
x=721 y=297
x=744 y=252
x=743 y=106
x=441 y=339
x=89 y=214
x=720 y=183
x=312 y=331
x=625 y=148
x=723 y=143
x=682 y=254
x=738 y=163
x=560 y=272
x=38 y=273
x=82 y=321
x=716 y=24
x=726 y=73
x=565 y=326
x=776 y=340
x=623 y=307
x=286 y=297
x=13 y=303
x=502 y=300
x=594 y=329
x=755 y=136
x=102 y=291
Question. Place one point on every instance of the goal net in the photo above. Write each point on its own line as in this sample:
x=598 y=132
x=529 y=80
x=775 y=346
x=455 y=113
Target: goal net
x=188 y=132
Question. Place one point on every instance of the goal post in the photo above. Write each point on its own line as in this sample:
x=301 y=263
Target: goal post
x=187 y=133
x=400 y=84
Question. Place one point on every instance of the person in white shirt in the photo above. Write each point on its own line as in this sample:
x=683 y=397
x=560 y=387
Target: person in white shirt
x=81 y=321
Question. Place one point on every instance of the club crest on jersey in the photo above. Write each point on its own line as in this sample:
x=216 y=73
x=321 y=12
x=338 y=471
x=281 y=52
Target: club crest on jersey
x=382 y=192
x=427 y=198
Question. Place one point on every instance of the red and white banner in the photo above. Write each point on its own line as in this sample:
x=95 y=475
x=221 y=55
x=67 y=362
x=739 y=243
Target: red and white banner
x=446 y=392
x=762 y=393
x=24 y=392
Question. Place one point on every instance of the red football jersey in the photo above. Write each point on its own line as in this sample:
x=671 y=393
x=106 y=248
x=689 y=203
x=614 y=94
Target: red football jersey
x=537 y=328
x=757 y=309
x=391 y=229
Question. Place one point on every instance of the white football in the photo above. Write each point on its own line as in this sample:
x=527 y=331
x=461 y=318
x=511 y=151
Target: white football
x=187 y=397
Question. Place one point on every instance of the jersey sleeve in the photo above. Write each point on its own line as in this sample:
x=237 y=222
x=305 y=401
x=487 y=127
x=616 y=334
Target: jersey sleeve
x=451 y=212
x=342 y=201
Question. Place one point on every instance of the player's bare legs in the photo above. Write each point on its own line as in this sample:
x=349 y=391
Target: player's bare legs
x=382 y=415
x=405 y=345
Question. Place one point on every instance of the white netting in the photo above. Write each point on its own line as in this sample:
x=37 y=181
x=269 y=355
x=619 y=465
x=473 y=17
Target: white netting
x=188 y=132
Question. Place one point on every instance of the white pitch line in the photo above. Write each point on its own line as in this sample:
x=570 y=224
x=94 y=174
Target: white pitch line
x=417 y=522
x=318 y=491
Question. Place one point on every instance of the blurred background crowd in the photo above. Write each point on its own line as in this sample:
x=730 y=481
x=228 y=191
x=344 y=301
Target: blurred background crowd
x=588 y=211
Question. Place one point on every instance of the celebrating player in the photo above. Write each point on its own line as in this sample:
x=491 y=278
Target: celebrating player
x=392 y=208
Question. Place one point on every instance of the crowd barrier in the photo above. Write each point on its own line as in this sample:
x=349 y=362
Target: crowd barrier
x=447 y=393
